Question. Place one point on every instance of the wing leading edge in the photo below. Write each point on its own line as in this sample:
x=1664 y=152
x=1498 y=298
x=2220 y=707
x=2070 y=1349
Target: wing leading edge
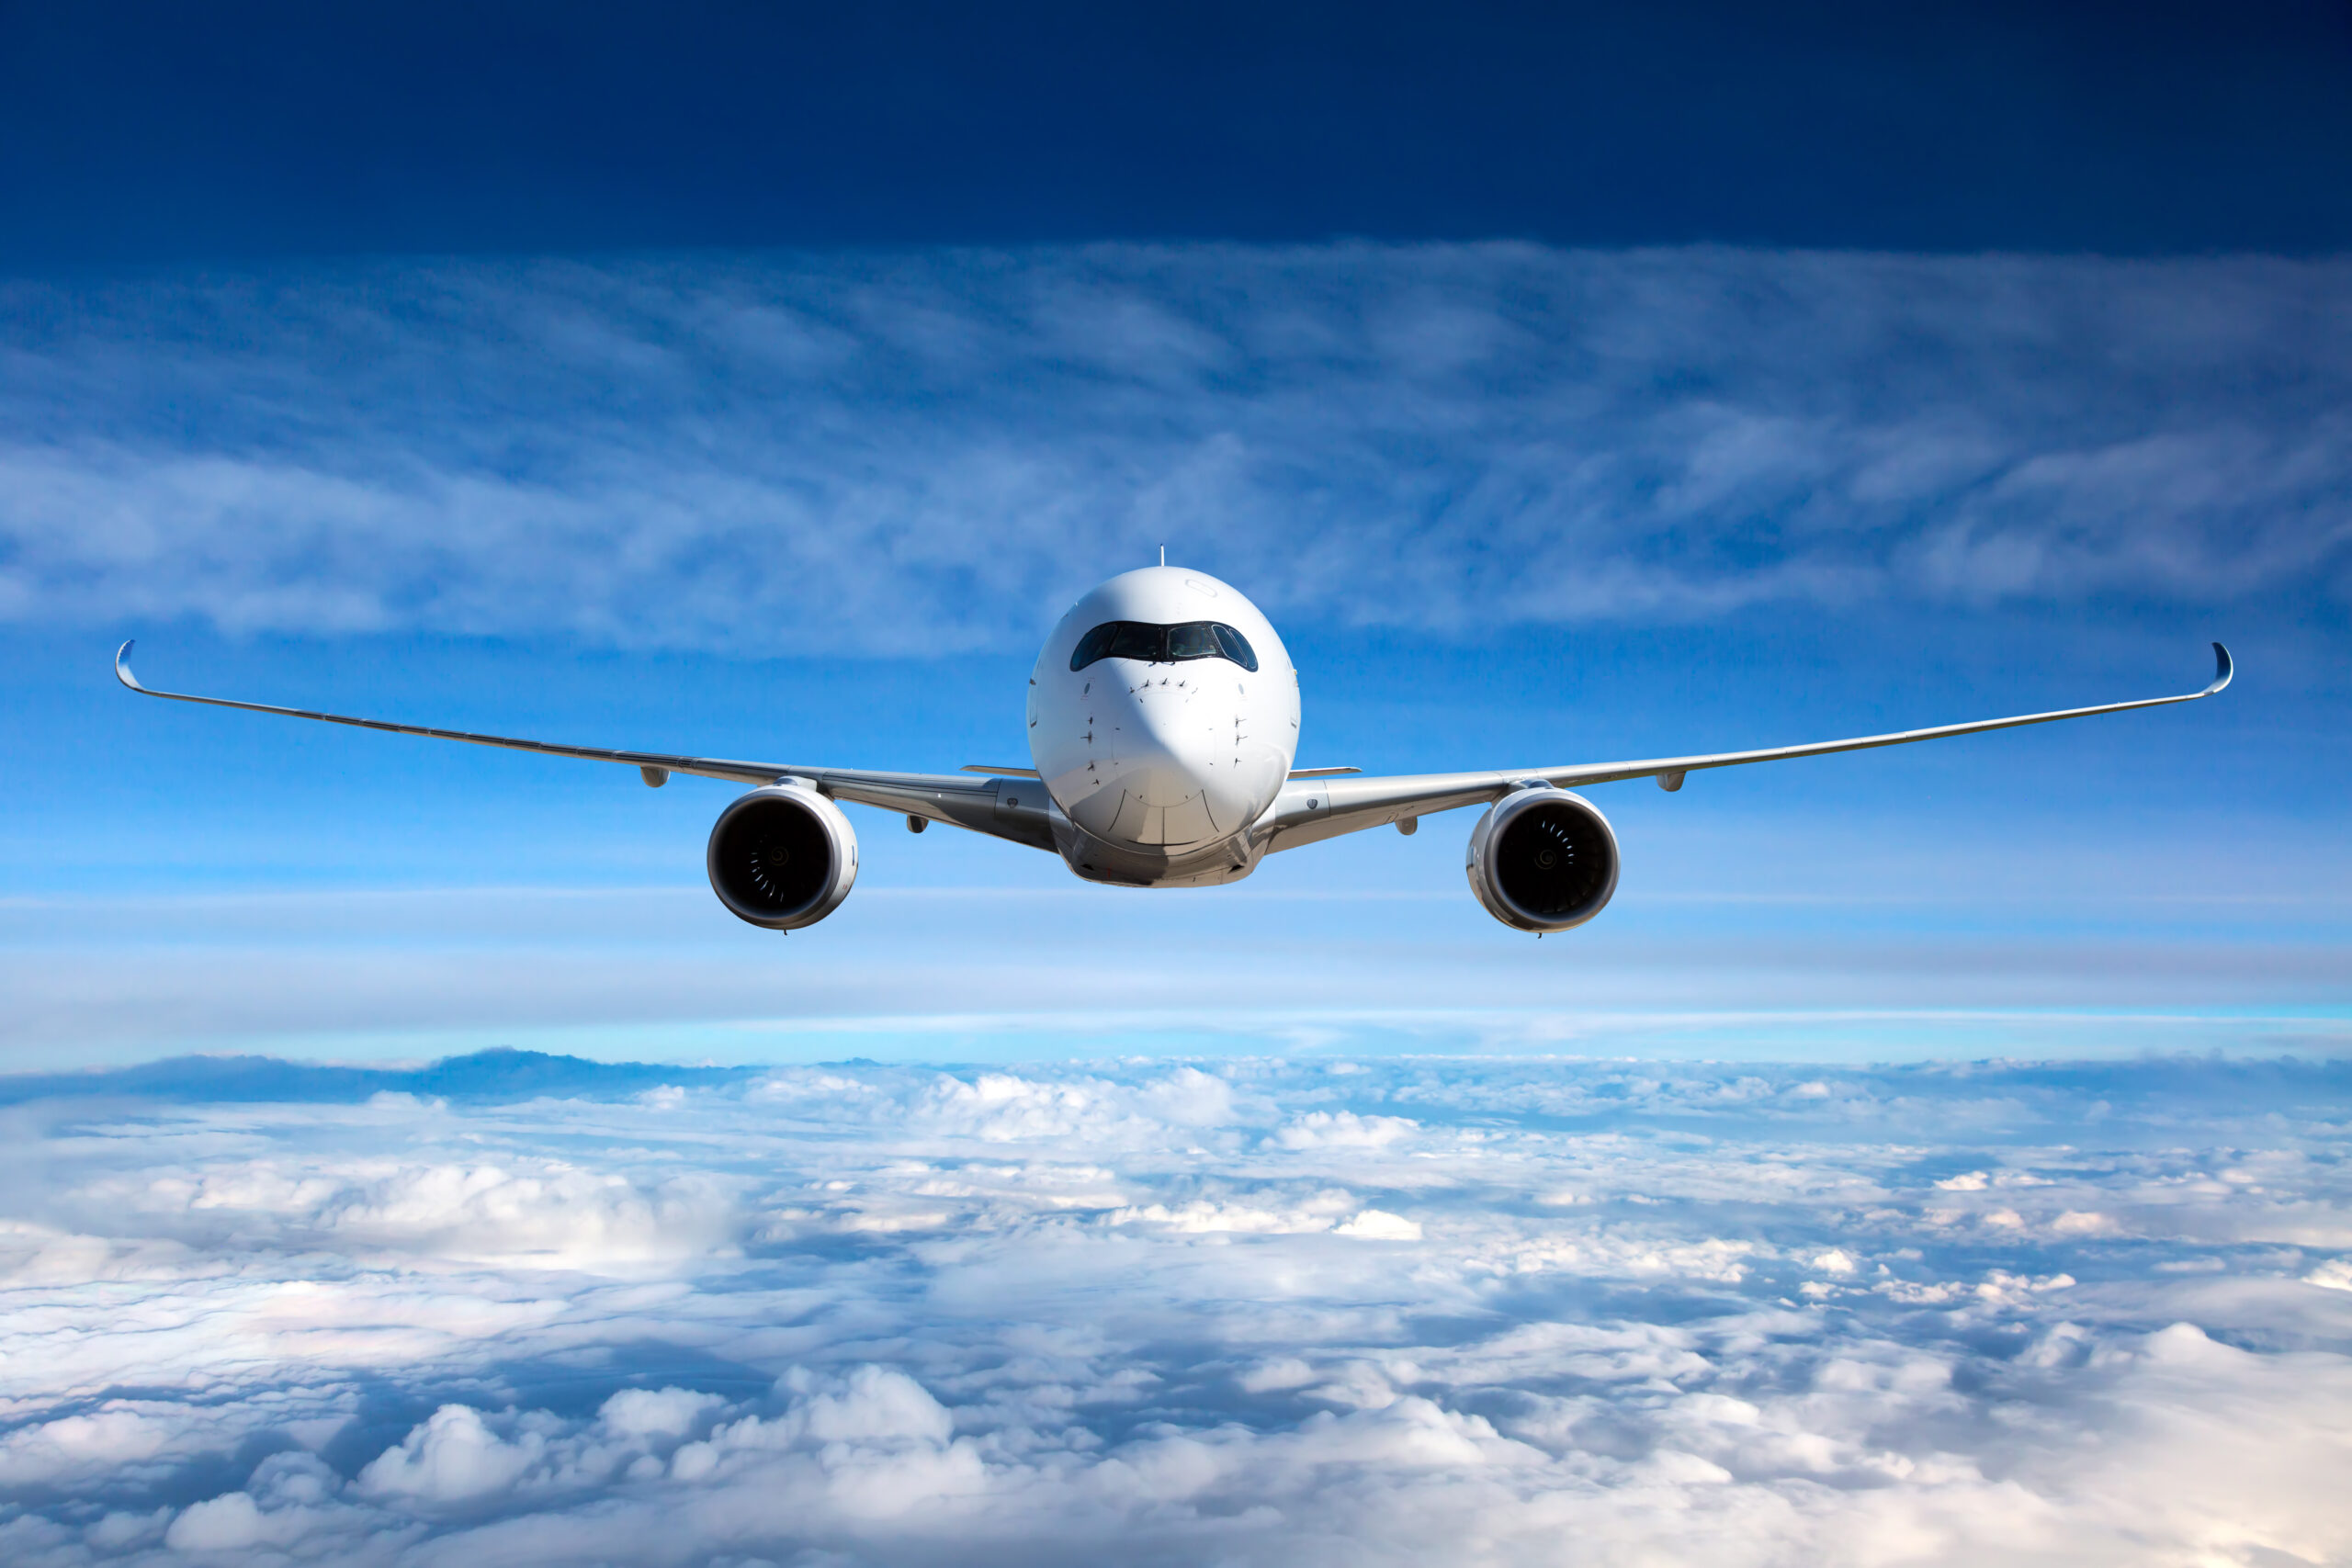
x=1314 y=805
x=960 y=800
x=1308 y=813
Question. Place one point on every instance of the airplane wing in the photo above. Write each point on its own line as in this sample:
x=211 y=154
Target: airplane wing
x=1309 y=811
x=1000 y=807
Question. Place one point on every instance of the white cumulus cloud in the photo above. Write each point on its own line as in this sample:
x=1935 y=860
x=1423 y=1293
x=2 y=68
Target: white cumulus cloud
x=1063 y=1314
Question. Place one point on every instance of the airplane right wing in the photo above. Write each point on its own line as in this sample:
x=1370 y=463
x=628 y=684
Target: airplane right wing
x=1307 y=812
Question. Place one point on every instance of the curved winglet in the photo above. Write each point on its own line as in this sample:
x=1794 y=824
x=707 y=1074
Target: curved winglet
x=2222 y=670
x=1346 y=805
x=707 y=767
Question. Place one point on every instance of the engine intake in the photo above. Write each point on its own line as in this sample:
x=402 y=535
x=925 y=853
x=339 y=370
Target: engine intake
x=782 y=857
x=1542 y=860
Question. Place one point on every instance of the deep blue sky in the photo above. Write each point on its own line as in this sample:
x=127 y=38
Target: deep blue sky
x=764 y=381
x=148 y=133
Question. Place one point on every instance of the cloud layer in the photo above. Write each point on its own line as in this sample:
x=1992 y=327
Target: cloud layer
x=1269 y=1314
x=918 y=454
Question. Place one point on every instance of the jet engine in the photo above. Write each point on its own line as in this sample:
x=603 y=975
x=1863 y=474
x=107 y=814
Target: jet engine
x=1542 y=860
x=783 y=857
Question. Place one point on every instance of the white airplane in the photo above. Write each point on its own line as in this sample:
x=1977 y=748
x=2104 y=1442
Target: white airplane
x=1163 y=721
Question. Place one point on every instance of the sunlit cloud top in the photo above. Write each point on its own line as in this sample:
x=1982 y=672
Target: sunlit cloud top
x=1396 y=1312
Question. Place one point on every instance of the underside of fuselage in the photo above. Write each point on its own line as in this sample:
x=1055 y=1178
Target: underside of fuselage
x=1129 y=865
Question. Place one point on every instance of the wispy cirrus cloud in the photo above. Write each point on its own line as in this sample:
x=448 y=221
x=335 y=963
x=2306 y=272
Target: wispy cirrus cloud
x=799 y=452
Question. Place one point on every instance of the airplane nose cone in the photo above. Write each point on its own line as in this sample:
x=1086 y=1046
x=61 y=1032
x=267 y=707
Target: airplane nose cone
x=1165 y=751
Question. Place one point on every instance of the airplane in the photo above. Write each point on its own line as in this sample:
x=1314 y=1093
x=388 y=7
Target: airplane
x=1163 y=718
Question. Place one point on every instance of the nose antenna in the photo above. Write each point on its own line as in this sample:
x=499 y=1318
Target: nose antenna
x=1163 y=554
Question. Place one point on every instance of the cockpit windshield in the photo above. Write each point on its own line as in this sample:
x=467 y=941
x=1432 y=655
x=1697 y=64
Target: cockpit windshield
x=1163 y=644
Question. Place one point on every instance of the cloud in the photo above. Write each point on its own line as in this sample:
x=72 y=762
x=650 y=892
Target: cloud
x=1778 y=1324
x=544 y=1209
x=1343 y=1129
x=697 y=452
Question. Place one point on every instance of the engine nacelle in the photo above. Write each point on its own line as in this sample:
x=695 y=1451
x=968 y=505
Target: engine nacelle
x=783 y=857
x=1542 y=860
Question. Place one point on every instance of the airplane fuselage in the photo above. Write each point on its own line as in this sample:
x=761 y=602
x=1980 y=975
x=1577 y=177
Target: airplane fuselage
x=1163 y=719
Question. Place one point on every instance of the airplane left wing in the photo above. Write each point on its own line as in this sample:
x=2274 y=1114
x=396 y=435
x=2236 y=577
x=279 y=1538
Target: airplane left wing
x=1000 y=807
x=1307 y=812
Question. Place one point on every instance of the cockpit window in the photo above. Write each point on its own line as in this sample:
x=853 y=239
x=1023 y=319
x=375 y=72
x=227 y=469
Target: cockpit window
x=1194 y=640
x=1162 y=645
x=1121 y=640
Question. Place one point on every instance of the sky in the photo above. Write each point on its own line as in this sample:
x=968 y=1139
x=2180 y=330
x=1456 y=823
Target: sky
x=1512 y=505
x=143 y=132
x=1566 y=384
x=1932 y=1156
